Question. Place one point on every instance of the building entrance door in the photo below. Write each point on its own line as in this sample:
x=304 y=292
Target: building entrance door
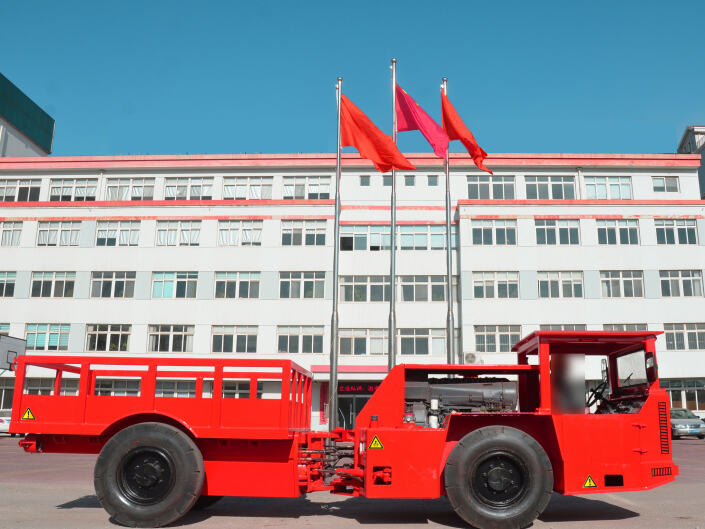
x=348 y=408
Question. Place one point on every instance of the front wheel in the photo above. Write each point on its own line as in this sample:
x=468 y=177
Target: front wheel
x=148 y=475
x=498 y=477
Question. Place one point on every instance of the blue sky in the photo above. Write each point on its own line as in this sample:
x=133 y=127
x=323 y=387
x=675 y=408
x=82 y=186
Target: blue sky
x=139 y=77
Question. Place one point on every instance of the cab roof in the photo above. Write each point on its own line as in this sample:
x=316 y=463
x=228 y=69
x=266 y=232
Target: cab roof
x=585 y=342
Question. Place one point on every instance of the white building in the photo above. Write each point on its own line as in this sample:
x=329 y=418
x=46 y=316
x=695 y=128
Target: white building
x=25 y=129
x=232 y=254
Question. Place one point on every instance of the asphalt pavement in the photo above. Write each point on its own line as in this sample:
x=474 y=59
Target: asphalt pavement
x=55 y=491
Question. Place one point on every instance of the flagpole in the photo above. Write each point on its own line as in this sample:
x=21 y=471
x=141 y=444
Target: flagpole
x=450 y=317
x=391 y=338
x=333 y=382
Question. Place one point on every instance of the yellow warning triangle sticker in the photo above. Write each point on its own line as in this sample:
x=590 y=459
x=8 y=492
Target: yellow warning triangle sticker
x=375 y=444
x=28 y=415
x=589 y=483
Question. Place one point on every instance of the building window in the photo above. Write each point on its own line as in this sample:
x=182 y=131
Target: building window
x=118 y=233
x=410 y=237
x=620 y=327
x=169 y=285
x=665 y=184
x=422 y=341
x=676 y=283
x=247 y=188
x=53 y=284
x=7 y=284
x=563 y=327
x=499 y=232
x=306 y=187
x=490 y=187
x=7 y=388
x=683 y=336
x=618 y=231
x=184 y=389
x=130 y=189
x=608 y=187
x=495 y=284
x=560 y=284
x=4 y=330
x=622 y=283
x=296 y=285
x=237 y=285
x=557 y=231
x=409 y=180
x=387 y=180
x=676 y=231
x=550 y=187
x=19 y=190
x=117 y=387
x=432 y=180
x=363 y=341
x=107 y=337
x=496 y=338
x=112 y=284
x=171 y=338
x=38 y=386
x=234 y=338
x=364 y=181
x=58 y=233
x=73 y=189
x=240 y=233
x=303 y=232
x=47 y=336
x=10 y=233
x=686 y=393
x=299 y=339
x=422 y=288
x=426 y=237
x=178 y=232
x=361 y=237
x=188 y=188
x=364 y=288
x=236 y=389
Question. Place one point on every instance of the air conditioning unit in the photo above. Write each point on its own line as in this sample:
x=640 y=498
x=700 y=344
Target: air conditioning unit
x=472 y=358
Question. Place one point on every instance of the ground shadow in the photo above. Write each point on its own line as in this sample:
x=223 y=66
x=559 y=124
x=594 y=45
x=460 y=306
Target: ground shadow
x=377 y=511
x=84 y=502
x=577 y=509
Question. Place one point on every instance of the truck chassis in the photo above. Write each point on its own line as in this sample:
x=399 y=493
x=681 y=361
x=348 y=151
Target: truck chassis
x=495 y=439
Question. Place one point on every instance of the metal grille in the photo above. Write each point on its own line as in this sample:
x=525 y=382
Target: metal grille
x=661 y=471
x=663 y=427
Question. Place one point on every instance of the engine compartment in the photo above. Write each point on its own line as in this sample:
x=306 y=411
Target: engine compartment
x=427 y=403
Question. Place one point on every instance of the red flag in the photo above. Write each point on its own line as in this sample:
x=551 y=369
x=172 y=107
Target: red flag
x=456 y=130
x=410 y=116
x=357 y=130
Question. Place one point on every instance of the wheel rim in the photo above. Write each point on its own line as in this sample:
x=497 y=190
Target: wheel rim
x=146 y=475
x=499 y=479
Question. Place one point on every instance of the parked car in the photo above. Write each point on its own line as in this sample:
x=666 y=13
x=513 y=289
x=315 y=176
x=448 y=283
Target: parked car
x=4 y=425
x=685 y=423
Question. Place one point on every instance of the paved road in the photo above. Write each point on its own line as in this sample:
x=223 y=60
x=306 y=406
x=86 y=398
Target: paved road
x=55 y=491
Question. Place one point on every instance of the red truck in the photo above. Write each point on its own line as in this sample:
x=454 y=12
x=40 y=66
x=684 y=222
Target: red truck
x=497 y=440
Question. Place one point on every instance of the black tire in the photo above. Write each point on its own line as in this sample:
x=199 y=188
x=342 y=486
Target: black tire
x=498 y=477
x=701 y=436
x=148 y=475
x=204 y=502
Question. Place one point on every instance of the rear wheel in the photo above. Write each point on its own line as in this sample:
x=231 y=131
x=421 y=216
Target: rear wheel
x=498 y=477
x=148 y=475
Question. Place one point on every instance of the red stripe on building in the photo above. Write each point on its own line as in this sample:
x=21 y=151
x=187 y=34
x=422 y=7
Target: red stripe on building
x=327 y=161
